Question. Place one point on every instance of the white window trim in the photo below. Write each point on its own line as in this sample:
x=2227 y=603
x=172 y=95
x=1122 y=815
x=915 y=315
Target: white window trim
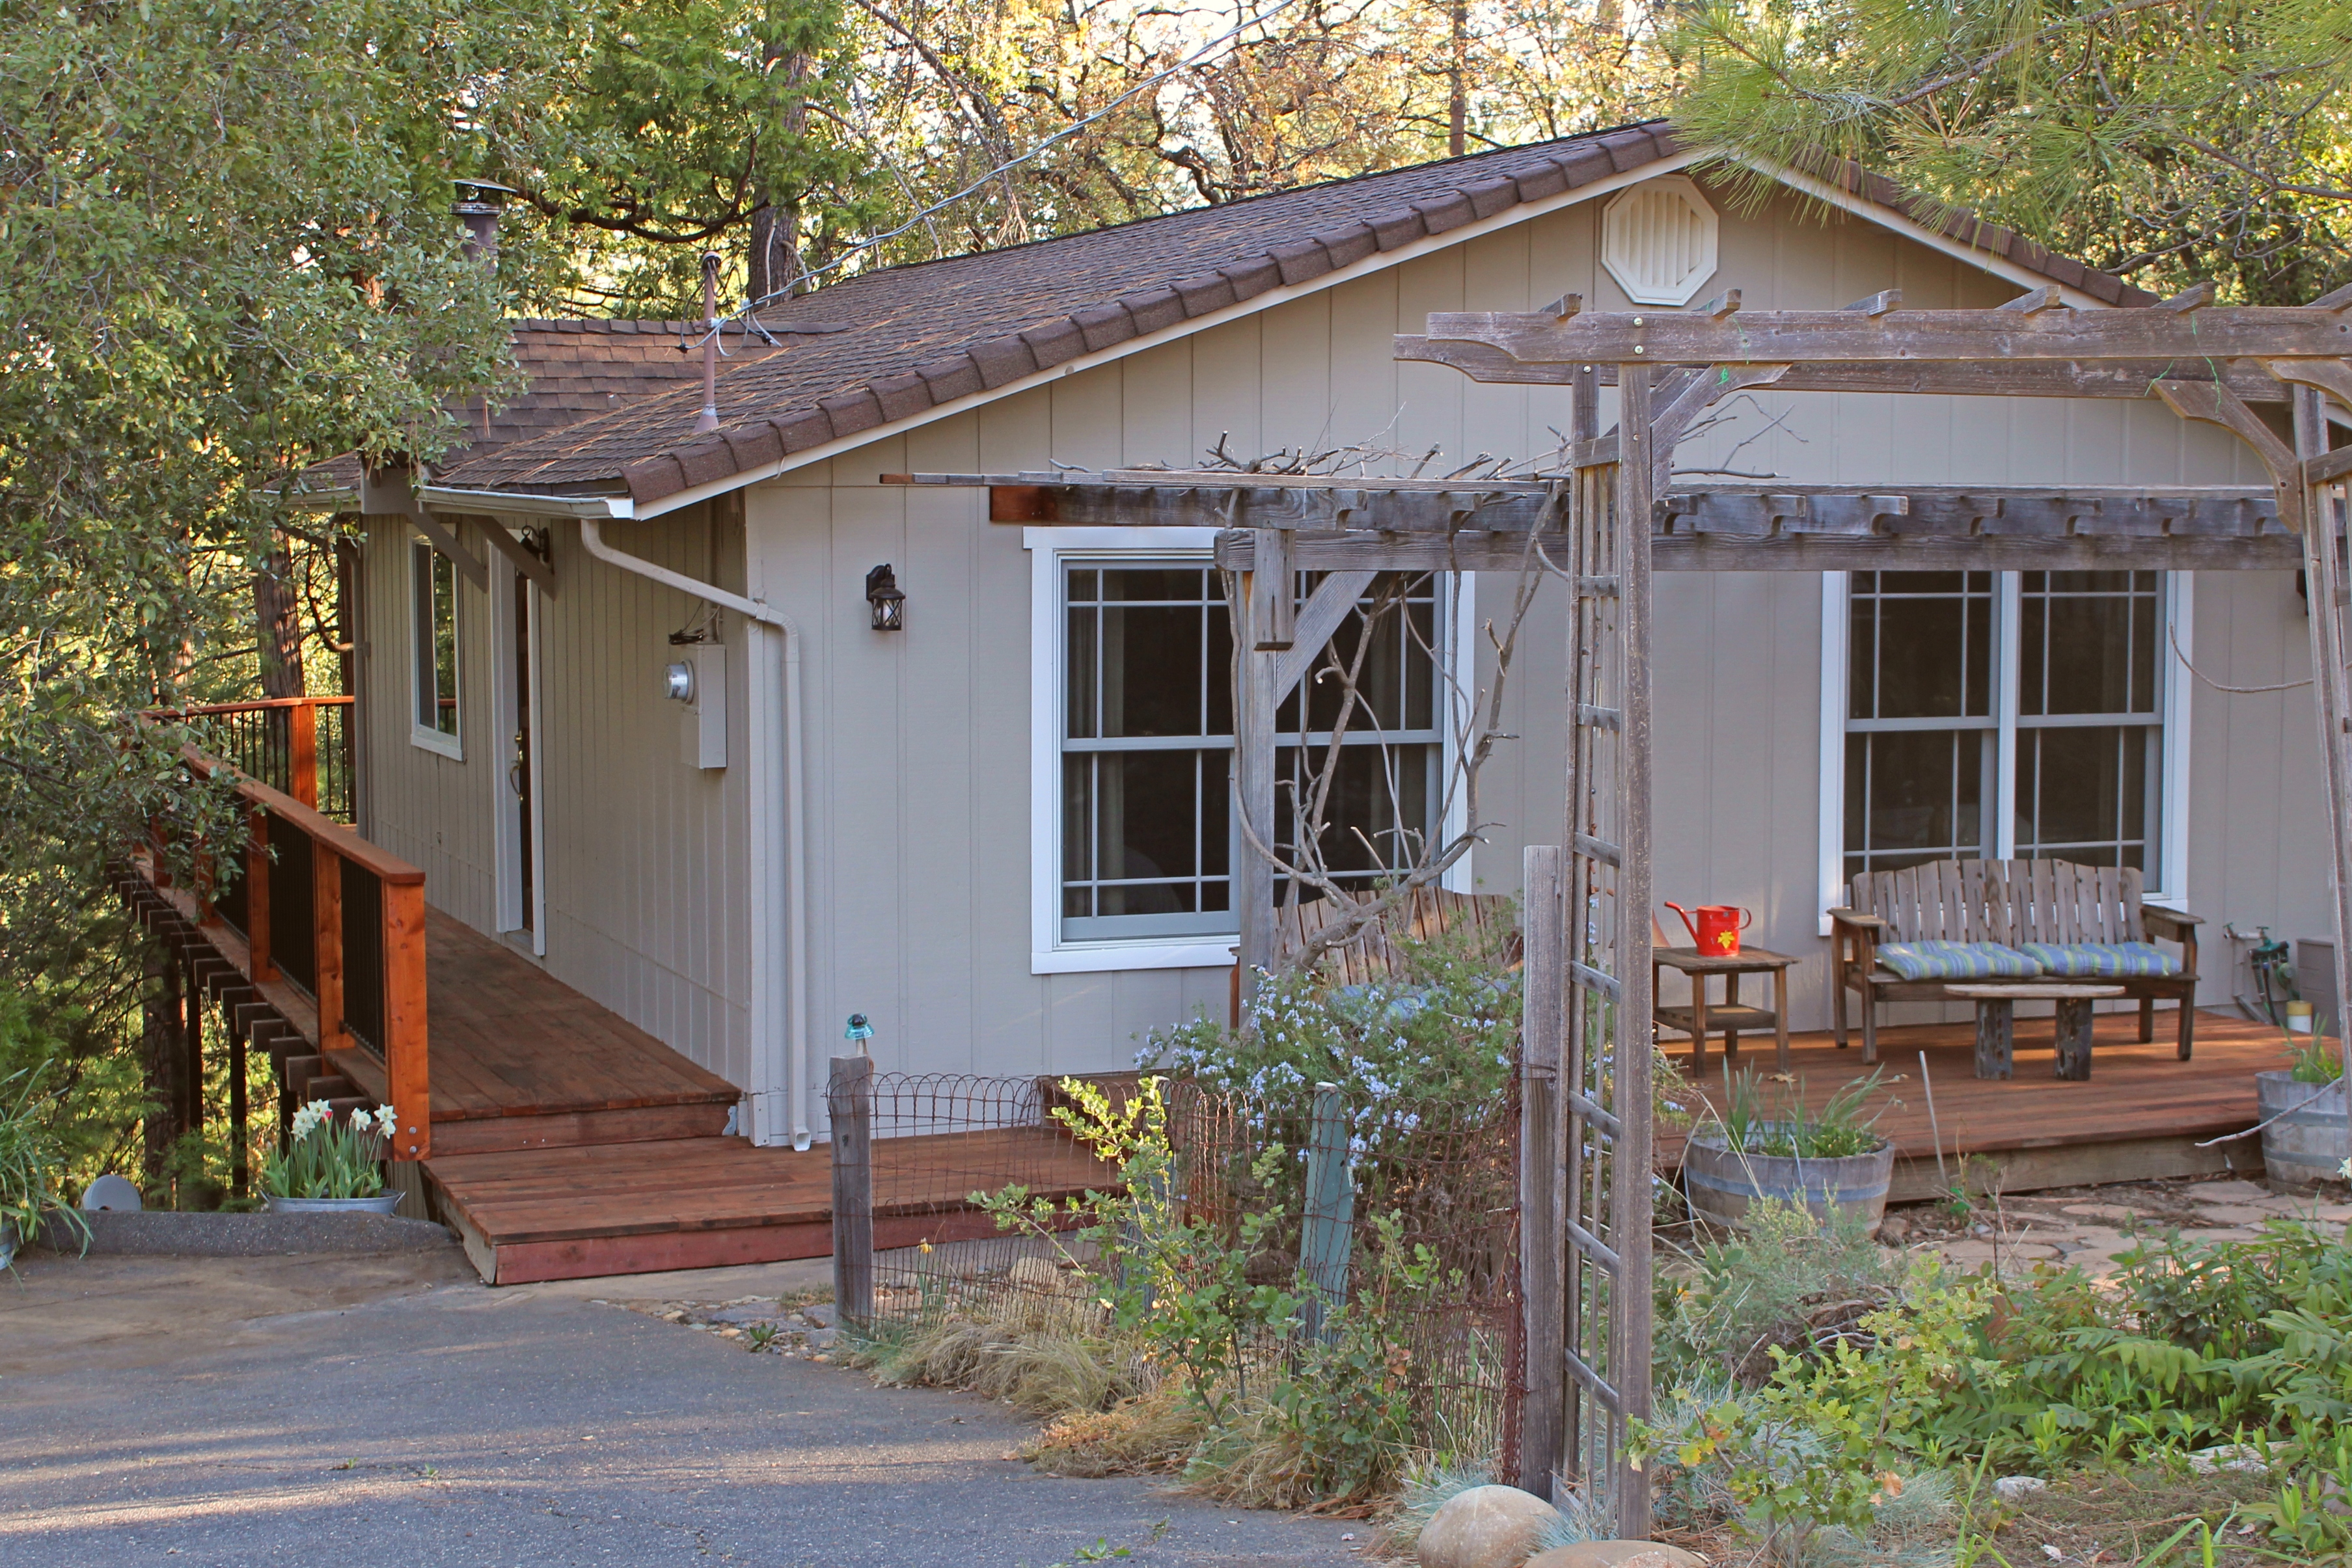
x=2180 y=592
x=1048 y=953
x=422 y=737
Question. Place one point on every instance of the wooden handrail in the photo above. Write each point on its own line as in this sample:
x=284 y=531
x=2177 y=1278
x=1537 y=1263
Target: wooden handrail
x=401 y=890
x=257 y=704
x=345 y=841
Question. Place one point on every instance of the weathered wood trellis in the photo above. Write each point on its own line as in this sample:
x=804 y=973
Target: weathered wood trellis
x=1610 y=516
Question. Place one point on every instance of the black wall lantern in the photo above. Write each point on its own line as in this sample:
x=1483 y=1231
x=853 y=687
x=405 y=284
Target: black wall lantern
x=882 y=596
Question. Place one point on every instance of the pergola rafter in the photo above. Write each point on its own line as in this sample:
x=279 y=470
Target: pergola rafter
x=1606 y=518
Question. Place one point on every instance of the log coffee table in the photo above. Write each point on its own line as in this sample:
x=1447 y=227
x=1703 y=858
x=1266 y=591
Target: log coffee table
x=1727 y=1017
x=1996 y=1022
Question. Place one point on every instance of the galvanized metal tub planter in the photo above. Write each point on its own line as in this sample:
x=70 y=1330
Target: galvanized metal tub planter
x=2308 y=1138
x=382 y=1203
x=1722 y=1184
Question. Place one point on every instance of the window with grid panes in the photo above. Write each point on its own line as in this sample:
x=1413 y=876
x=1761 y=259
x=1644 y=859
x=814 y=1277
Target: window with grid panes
x=433 y=645
x=1148 y=841
x=1932 y=701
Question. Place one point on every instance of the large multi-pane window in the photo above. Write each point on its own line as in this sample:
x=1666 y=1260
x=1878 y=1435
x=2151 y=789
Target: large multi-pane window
x=1147 y=844
x=432 y=641
x=1956 y=681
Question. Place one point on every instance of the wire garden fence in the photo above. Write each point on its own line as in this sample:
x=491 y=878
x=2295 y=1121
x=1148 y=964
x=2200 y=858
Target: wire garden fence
x=1393 y=1223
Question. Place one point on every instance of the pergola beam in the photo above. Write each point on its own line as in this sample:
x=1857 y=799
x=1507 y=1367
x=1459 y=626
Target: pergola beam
x=2026 y=378
x=1997 y=337
x=1791 y=552
x=1374 y=525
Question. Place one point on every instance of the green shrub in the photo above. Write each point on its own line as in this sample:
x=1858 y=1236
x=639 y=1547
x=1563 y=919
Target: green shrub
x=1785 y=1281
x=32 y=1160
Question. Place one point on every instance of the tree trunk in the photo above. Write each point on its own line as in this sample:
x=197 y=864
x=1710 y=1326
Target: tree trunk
x=1457 y=106
x=278 y=624
x=775 y=260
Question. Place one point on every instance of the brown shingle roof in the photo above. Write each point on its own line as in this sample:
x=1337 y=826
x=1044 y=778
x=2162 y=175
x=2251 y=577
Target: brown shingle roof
x=927 y=334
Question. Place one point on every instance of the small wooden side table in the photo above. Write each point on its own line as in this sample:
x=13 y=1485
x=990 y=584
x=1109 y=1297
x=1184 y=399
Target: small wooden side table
x=1996 y=1022
x=1728 y=1018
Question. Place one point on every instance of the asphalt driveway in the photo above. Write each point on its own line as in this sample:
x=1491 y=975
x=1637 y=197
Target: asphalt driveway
x=362 y=1411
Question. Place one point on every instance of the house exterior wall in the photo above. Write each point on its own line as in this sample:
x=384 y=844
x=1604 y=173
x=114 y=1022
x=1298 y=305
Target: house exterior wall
x=645 y=859
x=917 y=750
x=919 y=831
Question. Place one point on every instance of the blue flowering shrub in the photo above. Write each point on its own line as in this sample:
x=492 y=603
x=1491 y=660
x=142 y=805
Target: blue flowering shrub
x=1428 y=1047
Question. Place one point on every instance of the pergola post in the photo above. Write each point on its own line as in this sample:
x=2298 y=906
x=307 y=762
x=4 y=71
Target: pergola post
x=2325 y=587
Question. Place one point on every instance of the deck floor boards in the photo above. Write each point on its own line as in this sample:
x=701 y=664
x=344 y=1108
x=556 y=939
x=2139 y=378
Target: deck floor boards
x=511 y=1039
x=703 y=1184
x=2135 y=1090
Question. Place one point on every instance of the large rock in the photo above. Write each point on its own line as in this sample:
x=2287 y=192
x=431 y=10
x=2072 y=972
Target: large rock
x=1616 y=1555
x=1485 y=1527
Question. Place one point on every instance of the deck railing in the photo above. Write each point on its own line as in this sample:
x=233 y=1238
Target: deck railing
x=298 y=745
x=315 y=910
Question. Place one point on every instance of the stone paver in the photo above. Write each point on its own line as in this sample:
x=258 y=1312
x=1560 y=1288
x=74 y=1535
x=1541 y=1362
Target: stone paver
x=2087 y=1226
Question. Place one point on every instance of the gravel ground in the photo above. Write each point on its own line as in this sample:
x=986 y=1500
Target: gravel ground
x=358 y=1411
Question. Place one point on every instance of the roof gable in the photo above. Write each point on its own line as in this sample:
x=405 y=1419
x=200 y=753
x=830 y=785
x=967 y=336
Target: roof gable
x=899 y=344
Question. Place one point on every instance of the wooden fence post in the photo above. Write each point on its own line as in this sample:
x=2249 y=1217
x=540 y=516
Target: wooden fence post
x=1328 y=1232
x=302 y=753
x=849 y=1099
x=405 y=1058
x=1543 y=1166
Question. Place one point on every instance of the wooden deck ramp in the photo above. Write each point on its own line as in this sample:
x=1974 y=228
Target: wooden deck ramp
x=568 y=1142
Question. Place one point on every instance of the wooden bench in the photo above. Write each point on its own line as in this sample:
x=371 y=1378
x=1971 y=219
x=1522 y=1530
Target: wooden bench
x=2011 y=903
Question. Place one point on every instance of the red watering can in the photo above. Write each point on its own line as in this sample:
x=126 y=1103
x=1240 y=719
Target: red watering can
x=1716 y=929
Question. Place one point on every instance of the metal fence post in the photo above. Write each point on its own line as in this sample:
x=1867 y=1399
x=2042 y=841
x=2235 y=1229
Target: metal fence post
x=1325 y=1239
x=849 y=1099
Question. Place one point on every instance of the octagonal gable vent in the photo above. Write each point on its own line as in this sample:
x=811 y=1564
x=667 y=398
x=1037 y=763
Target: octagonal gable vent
x=1658 y=241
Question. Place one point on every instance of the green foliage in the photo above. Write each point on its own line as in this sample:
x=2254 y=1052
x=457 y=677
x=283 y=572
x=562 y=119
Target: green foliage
x=32 y=1160
x=1785 y=1281
x=2192 y=1344
x=2318 y=1062
x=1825 y=1441
x=2164 y=139
x=1835 y=1131
x=1290 y=1406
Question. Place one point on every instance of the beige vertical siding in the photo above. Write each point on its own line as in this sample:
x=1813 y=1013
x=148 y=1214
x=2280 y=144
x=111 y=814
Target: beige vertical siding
x=645 y=865
x=430 y=809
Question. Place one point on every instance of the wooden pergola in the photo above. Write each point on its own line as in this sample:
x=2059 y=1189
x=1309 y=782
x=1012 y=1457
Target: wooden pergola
x=1607 y=519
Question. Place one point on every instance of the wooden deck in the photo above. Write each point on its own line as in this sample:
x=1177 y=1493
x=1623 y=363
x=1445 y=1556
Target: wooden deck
x=2139 y=1116
x=698 y=1203
x=568 y=1143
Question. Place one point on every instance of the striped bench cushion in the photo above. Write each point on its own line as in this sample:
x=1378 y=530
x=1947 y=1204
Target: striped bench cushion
x=2101 y=960
x=1956 y=961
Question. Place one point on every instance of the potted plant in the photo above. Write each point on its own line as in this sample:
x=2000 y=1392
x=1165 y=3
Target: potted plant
x=329 y=1165
x=2306 y=1137
x=1832 y=1161
x=30 y=1156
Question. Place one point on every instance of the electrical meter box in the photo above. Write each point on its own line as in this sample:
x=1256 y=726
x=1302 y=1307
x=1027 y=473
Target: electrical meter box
x=702 y=729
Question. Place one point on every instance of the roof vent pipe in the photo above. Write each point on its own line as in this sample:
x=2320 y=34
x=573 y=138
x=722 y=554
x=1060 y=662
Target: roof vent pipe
x=477 y=208
x=709 y=418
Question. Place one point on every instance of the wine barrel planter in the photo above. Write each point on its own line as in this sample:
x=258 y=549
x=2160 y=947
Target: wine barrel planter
x=2308 y=1138
x=1721 y=1184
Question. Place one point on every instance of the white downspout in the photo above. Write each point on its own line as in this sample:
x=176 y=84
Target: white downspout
x=796 y=923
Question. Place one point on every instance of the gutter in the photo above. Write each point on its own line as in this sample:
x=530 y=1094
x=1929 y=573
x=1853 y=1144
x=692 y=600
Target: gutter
x=512 y=502
x=791 y=784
